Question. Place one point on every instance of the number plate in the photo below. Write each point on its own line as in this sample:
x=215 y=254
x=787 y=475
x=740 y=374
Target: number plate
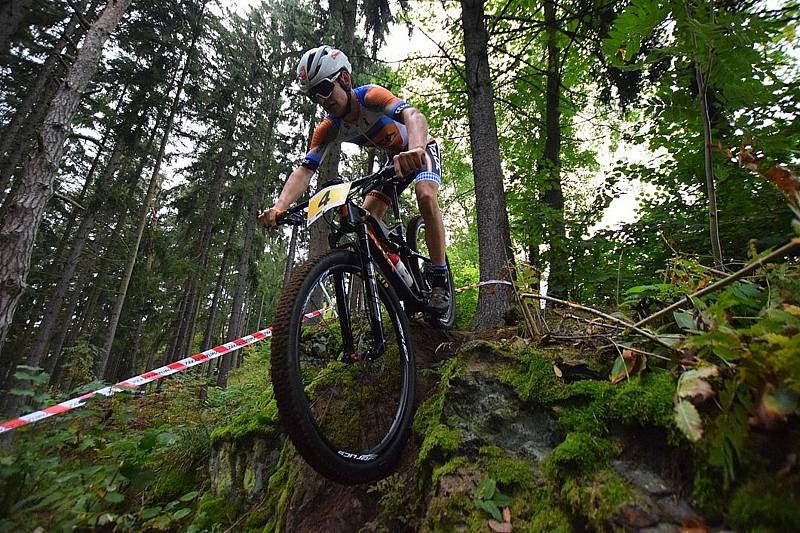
x=326 y=199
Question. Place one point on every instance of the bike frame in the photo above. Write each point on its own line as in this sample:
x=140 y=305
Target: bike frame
x=372 y=241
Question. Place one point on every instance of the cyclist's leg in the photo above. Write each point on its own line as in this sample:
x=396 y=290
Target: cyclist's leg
x=427 y=183
x=377 y=203
x=427 y=200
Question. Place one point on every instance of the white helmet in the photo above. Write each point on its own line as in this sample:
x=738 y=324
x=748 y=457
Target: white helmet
x=318 y=64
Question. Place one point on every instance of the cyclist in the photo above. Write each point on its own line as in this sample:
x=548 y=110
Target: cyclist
x=370 y=115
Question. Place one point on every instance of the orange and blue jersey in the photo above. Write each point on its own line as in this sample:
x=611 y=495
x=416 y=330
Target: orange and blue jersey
x=379 y=123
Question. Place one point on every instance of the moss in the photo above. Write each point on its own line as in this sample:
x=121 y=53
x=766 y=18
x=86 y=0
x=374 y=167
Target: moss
x=445 y=513
x=532 y=378
x=579 y=453
x=259 y=418
x=428 y=420
x=597 y=496
x=549 y=519
x=280 y=488
x=505 y=470
x=766 y=504
x=593 y=405
x=438 y=438
x=172 y=484
x=213 y=511
x=449 y=467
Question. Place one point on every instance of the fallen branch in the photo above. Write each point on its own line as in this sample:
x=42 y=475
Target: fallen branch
x=794 y=243
x=614 y=319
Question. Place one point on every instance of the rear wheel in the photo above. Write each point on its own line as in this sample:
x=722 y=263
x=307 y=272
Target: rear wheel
x=421 y=269
x=347 y=406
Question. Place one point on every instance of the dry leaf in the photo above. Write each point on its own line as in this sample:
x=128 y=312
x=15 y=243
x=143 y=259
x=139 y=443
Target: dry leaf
x=694 y=387
x=748 y=160
x=775 y=406
x=719 y=148
x=558 y=371
x=505 y=527
x=507 y=514
x=783 y=178
x=694 y=524
x=629 y=364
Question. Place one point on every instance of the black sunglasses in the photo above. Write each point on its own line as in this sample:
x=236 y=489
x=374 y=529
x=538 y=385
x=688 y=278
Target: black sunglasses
x=323 y=89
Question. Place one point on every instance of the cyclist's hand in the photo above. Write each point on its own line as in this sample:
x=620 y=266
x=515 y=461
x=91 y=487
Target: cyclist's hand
x=407 y=162
x=269 y=218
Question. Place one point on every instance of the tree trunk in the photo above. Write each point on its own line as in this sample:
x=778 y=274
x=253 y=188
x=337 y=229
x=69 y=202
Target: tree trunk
x=494 y=241
x=18 y=232
x=11 y=16
x=203 y=244
x=39 y=348
x=55 y=365
x=236 y=318
x=152 y=189
x=19 y=128
x=711 y=190
x=553 y=197
x=223 y=271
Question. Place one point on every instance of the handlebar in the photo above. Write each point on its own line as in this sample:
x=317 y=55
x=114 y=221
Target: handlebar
x=294 y=216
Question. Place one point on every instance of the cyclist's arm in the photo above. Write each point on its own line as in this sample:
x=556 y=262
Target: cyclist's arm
x=417 y=127
x=295 y=186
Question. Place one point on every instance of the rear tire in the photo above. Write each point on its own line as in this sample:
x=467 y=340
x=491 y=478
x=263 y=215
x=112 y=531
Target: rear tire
x=416 y=241
x=348 y=415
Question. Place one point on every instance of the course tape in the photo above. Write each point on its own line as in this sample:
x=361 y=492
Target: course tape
x=172 y=368
x=143 y=379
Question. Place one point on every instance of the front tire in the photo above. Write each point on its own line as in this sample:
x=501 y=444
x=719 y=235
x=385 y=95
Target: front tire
x=348 y=415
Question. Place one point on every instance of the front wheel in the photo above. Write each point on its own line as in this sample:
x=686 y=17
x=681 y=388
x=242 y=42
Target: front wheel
x=345 y=400
x=421 y=270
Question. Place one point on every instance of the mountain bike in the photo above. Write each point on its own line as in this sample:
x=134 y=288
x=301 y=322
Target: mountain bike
x=342 y=359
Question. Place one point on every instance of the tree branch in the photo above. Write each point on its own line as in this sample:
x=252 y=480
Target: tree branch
x=634 y=327
x=780 y=252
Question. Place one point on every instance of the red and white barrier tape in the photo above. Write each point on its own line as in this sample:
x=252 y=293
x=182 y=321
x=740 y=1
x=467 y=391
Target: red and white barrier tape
x=168 y=370
x=482 y=283
x=147 y=377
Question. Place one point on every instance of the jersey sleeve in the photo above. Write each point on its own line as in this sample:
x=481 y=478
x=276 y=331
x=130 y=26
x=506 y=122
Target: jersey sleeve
x=324 y=134
x=381 y=99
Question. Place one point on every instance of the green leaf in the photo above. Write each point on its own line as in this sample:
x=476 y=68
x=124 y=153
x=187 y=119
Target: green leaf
x=671 y=339
x=181 y=513
x=620 y=370
x=490 y=508
x=684 y=319
x=189 y=496
x=692 y=384
x=688 y=420
x=114 y=497
x=22 y=392
x=501 y=500
x=148 y=440
x=486 y=489
x=150 y=512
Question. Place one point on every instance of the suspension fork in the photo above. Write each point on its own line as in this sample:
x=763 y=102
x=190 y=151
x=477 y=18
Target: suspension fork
x=343 y=310
x=370 y=289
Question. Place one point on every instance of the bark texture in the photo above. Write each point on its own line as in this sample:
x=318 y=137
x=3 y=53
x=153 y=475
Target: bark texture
x=18 y=232
x=494 y=241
